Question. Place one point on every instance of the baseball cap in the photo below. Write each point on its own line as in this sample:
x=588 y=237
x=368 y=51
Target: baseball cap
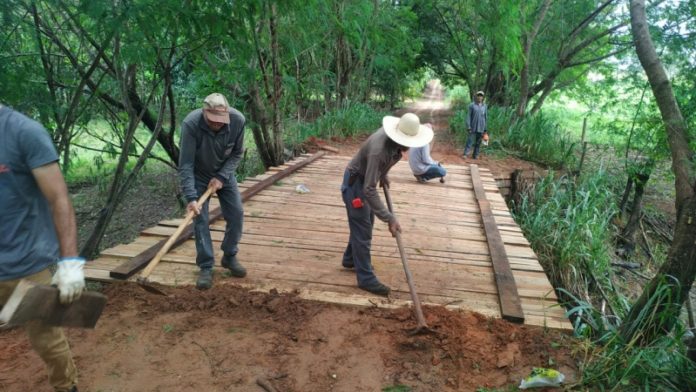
x=216 y=108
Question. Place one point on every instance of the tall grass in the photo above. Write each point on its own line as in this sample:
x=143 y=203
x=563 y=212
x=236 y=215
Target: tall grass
x=350 y=120
x=613 y=364
x=568 y=225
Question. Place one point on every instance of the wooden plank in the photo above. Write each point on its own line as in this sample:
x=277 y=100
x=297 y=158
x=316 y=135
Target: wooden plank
x=138 y=262
x=510 y=306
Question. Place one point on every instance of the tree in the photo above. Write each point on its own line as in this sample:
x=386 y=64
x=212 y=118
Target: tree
x=668 y=290
x=518 y=52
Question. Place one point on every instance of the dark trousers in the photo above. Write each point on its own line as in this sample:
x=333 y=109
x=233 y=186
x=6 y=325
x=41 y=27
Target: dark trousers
x=231 y=205
x=475 y=139
x=360 y=221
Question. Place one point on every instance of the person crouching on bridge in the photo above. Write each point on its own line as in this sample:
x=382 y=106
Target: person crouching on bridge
x=423 y=166
x=212 y=144
x=382 y=150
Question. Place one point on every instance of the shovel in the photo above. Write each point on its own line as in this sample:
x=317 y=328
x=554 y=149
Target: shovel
x=142 y=279
x=422 y=327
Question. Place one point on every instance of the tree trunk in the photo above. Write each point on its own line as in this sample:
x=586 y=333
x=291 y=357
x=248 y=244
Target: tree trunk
x=657 y=309
x=627 y=242
x=527 y=44
x=626 y=194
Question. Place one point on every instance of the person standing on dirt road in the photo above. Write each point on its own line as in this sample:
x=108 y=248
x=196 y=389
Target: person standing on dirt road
x=476 y=124
x=38 y=228
x=212 y=144
x=423 y=166
x=370 y=165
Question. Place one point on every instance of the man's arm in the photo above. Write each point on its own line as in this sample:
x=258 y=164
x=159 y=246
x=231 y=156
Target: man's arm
x=228 y=168
x=372 y=176
x=187 y=156
x=468 y=117
x=50 y=181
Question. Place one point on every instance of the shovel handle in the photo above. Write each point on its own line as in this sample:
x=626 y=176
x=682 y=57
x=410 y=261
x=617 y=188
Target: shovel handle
x=167 y=245
x=409 y=278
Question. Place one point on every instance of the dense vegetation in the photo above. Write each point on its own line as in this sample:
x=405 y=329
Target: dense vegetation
x=111 y=82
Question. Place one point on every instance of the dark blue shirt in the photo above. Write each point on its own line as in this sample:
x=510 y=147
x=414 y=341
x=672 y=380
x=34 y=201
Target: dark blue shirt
x=28 y=242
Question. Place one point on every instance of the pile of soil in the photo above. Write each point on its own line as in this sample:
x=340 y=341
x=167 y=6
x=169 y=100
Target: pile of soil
x=227 y=338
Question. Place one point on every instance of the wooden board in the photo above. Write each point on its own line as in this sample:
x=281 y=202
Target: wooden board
x=510 y=306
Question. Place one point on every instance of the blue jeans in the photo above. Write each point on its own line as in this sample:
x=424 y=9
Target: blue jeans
x=360 y=221
x=475 y=139
x=434 y=171
x=231 y=205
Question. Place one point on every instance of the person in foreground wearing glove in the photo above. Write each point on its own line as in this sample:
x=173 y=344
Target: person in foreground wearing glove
x=379 y=153
x=38 y=227
x=423 y=166
x=212 y=144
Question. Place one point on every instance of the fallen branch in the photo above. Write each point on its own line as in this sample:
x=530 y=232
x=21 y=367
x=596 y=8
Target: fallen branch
x=629 y=266
x=645 y=241
x=329 y=148
x=265 y=384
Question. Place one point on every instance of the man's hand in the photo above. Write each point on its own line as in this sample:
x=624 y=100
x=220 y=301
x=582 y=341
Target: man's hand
x=215 y=183
x=394 y=227
x=193 y=207
x=69 y=278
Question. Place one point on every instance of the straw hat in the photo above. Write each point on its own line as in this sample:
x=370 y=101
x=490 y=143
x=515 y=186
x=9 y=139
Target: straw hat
x=407 y=130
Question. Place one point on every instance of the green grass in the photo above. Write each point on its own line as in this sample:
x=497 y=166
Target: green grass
x=351 y=120
x=569 y=227
x=613 y=364
x=397 y=388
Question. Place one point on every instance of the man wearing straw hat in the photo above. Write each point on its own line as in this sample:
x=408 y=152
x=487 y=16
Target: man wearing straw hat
x=382 y=150
x=212 y=144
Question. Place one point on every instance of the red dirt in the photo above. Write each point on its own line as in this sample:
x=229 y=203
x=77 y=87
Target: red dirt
x=226 y=338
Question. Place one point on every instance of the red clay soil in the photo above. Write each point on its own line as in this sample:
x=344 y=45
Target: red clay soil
x=227 y=338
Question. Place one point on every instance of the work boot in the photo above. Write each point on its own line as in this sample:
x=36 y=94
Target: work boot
x=377 y=288
x=205 y=279
x=231 y=263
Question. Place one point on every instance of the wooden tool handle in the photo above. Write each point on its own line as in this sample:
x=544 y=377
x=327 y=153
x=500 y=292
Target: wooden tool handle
x=404 y=261
x=167 y=245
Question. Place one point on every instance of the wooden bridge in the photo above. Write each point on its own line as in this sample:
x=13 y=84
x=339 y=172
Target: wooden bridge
x=465 y=251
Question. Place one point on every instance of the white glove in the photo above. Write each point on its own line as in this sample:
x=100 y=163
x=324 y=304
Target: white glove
x=69 y=278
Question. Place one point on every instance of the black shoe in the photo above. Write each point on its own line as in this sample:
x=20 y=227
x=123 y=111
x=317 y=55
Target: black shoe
x=377 y=288
x=205 y=279
x=346 y=265
x=231 y=263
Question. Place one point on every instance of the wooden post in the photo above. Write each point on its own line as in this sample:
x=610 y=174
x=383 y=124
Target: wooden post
x=584 y=145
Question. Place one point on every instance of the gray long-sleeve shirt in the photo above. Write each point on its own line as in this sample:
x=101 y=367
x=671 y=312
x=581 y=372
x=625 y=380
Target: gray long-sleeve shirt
x=206 y=153
x=372 y=162
x=420 y=160
x=477 y=117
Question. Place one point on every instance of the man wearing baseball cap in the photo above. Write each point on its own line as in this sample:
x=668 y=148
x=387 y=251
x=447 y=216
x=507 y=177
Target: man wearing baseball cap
x=212 y=144
x=379 y=153
x=476 y=124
